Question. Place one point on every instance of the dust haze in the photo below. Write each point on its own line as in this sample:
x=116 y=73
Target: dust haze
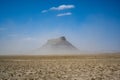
x=95 y=35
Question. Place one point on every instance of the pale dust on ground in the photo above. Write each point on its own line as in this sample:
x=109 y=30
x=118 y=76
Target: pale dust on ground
x=60 y=68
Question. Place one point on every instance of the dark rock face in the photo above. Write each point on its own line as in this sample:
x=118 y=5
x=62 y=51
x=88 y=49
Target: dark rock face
x=58 y=45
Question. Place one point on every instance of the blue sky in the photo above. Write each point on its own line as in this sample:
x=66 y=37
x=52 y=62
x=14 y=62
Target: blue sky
x=91 y=25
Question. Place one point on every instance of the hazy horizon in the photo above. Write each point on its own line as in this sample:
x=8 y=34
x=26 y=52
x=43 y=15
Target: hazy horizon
x=90 y=25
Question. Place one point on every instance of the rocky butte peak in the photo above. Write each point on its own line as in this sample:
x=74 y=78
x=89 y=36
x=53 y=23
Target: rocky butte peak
x=58 y=45
x=62 y=38
x=57 y=40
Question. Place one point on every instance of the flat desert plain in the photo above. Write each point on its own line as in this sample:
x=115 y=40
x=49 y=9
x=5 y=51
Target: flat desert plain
x=73 y=67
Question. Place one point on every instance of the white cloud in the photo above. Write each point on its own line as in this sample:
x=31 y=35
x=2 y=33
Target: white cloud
x=63 y=7
x=65 y=14
x=44 y=11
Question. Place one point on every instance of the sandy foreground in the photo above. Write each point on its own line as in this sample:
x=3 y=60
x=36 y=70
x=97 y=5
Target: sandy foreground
x=82 y=67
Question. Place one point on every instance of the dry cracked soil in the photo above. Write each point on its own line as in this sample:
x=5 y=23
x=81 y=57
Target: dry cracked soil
x=60 y=67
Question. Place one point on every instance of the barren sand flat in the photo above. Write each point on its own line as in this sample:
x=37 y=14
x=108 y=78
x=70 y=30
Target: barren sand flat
x=84 y=67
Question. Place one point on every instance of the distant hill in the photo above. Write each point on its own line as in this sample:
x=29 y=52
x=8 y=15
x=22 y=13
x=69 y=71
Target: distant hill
x=58 y=45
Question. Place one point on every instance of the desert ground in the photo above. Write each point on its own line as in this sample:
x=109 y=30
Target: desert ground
x=79 y=67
